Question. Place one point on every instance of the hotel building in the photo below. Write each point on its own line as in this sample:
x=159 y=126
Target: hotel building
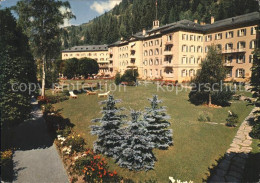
x=96 y=52
x=175 y=51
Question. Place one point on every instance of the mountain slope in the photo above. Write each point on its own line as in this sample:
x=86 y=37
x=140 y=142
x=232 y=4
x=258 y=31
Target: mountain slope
x=131 y=16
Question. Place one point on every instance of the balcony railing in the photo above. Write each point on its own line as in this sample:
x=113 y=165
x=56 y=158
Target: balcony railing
x=167 y=52
x=132 y=56
x=103 y=66
x=168 y=43
x=167 y=64
x=233 y=50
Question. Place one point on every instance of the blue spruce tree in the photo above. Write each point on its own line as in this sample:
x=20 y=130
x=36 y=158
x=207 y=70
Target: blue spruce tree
x=157 y=124
x=136 y=148
x=108 y=132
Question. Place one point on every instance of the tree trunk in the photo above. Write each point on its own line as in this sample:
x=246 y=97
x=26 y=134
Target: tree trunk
x=43 y=76
x=209 y=99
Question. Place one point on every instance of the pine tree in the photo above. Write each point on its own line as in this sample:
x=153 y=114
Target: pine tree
x=108 y=132
x=157 y=125
x=136 y=149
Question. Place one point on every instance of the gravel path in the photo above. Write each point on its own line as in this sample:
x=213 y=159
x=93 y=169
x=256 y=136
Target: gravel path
x=231 y=167
x=36 y=158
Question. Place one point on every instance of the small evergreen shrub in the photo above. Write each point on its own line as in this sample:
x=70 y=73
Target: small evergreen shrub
x=232 y=119
x=204 y=117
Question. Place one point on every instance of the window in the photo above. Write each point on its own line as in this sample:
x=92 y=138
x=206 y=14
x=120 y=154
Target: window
x=199 y=38
x=184 y=73
x=218 y=47
x=169 y=38
x=206 y=49
x=151 y=52
x=151 y=43
x=229 y=46
x=151 y=72
x=156 y=51
x=251 y=58
x=253 y=44
x=240 y=59
x=192 y=60
x=192 y=48
x=184 y=48
x=184 y=37
x=228 y=59
x=229 y=73
x=192 y=37
x=151 y=62
x=145 y=53
x=156 y=62
x=145 y=72
x=218 y=36
x=241 y=32
x=208 y=38
x=229 y=34
x=145 y=44
x=198 y=60
x=156 y=72
x=192 y=73
x=184 y=60
x=241 y=45
x=240 y=73
x=157 y=42
x=199 y=49
x=253 y=30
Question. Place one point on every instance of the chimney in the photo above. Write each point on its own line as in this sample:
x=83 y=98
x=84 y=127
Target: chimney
x=156 y=24
x=144 y=32
x=195 y=21
x=212 y=20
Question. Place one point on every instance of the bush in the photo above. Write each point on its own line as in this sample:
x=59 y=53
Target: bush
x=130 y=76
x=220 y=97
x=117 y=79
x=47 y=109
x=232 y=119
x=255 y=133
x=94 y=168
x=76 y=142
x=204 y=117
x=65 y=132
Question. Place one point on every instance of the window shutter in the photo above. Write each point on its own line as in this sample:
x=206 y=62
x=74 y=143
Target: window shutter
x=237 y=45
x=237 y=59
x=238 y=33
x=244 y=58
x=245 y=32
x=216 y=36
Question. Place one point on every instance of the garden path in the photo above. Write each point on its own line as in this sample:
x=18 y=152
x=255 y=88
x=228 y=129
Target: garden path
x=36 y=158
x=231 y=167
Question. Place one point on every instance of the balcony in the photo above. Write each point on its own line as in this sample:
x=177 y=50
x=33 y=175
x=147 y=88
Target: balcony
x=132 y=56
x=167 y=64
x=228 y=64
x=104 y=66
x=167 y=52
x=168 y=43
x=240 y=50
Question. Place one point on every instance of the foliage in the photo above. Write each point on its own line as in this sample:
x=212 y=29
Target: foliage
x=204 y=117
x=131 y=16
x=210 y=77
x=64 y=132
x=17 y=68
x=130 y=76
x=108 y=132
x=75 y=67
x=6 y=156
x=219 y=97
x=118 y=79
x=232 y=119
x=157 y=124
x=94 y=168
x=136 y=148
x=76 y=142
x=255 y=83
x=41 y=21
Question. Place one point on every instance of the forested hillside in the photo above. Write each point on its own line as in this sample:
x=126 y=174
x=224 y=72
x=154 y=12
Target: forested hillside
x=131 y=16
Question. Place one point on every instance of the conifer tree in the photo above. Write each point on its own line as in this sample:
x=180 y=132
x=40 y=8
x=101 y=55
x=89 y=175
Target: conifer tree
x=157 y=124
x=108 y=132
x=136 y=149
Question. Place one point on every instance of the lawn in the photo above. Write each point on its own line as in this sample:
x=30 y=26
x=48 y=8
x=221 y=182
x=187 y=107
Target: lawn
x=196 y=144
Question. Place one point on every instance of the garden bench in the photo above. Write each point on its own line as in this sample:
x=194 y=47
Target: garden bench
x=72 y=95
x=104 y=94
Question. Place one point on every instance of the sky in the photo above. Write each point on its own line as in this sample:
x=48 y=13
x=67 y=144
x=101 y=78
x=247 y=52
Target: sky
x=84 y=10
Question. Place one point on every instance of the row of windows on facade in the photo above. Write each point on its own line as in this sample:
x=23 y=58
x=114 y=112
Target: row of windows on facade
x=239 y=59
x=85 y=54
x=228 y=46
x=230 y=34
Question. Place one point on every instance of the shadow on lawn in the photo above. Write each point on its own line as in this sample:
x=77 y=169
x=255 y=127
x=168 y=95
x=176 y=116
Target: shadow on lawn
x=235 y=167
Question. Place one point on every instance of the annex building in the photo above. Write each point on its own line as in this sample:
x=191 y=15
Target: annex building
x=175 y=51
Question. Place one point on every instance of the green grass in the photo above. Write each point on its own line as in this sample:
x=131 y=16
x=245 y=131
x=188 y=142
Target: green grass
x=196 y=144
